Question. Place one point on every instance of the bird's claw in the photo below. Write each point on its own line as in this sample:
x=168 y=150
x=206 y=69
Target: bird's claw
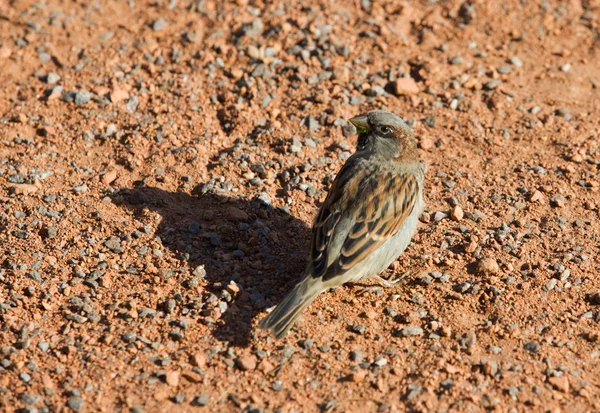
x=390 y=282
x=369 y=289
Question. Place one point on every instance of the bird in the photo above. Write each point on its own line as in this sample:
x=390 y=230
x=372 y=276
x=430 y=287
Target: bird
x=367 y=219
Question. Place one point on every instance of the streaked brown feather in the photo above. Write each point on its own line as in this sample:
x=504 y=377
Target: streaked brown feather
x=386 y=201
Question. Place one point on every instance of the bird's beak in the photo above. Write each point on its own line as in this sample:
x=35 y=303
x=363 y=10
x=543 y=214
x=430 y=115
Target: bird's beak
x=361 y=124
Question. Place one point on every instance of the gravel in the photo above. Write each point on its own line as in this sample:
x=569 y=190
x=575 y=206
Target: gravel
x=160 y=177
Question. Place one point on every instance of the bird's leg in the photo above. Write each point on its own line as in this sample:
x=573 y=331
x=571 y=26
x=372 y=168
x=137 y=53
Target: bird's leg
x=382 y=282
x=391 y=281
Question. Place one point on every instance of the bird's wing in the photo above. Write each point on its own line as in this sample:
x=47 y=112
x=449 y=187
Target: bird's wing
x=360 y=213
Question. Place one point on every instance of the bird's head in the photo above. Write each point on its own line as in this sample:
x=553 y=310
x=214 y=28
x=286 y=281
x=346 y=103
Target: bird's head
x=386 y=135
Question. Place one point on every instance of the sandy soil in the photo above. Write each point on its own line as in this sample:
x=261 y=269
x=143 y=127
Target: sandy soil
x=161 y=163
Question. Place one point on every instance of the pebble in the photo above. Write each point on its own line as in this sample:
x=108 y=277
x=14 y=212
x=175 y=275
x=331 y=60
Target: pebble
x=236 y=215
x=532 y=346
x=201 y=400
x=356 y=356
x=516 y=61
x=172 y=378
x=487 y=267
x=492 y=84
x=550 y=284
x=560 y=383
x=80 y=189
x=246 y=363
x=29 y=398
x=306 y=344
x=558 y=201
x=52 y=78
x=311 y=123
x=358 y=376
x=439 y=216
x=82 y=97
x=159 y=24
x=411 y=331
x=457 y=60
x=75 y=403
x=23 y=189
x=457 y=213
x=405 y=86
x=132 y=103
x=504 y=70
x=537 y=196
x=358 y=328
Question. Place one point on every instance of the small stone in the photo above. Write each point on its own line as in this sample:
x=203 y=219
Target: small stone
x=488 y=266
x=492 y=84
x=558 y=201
x=537 y=196
x=30 y=399
x=358 y=328
x=236 y=215
x=356 y=356
x=311 y=123
x=199 y=271
x=80 y=189
x=82 y=97
x=411 y=331
x=159 y=24
x=118 y=95
x=532 y=346
x=405 y=86
x=426 y=143
x=494 y=349
x=75 y=403
x=109 y=177
x=52 y=78
x=199 y=359
x=201 y=400
x=5 y=52
x=516 y=61
x=114 y=244
x=129 y=337
x=246 y=363
x=550 y=284
x=457 y=213
x=132 y=103
x=439 y=216
x=172 y=378
x=306 y=344
x=489 y=368
x=456 y=60
x=358 y=376
x=425 y=279
x=23 y=189
x=374 y=91
x=341 y=74
x=560 y=383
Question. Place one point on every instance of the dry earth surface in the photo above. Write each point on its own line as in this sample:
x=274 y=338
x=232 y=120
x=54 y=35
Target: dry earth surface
x=161 y=162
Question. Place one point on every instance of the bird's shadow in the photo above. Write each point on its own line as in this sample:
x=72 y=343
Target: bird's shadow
x=260 y=248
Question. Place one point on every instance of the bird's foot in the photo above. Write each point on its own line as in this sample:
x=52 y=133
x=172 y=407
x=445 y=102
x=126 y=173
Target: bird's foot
x=390 y=282
x=382 y=282
x=370 y=289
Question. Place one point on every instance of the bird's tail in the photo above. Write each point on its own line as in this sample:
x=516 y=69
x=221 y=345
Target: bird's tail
x=283 y=317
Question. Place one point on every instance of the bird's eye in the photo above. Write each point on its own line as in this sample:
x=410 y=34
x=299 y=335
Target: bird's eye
x=385 y=130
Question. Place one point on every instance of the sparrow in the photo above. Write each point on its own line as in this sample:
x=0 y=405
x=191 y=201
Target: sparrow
x=367 y=219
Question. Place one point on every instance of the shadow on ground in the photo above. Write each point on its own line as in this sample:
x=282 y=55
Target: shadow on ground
x=247 y=241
